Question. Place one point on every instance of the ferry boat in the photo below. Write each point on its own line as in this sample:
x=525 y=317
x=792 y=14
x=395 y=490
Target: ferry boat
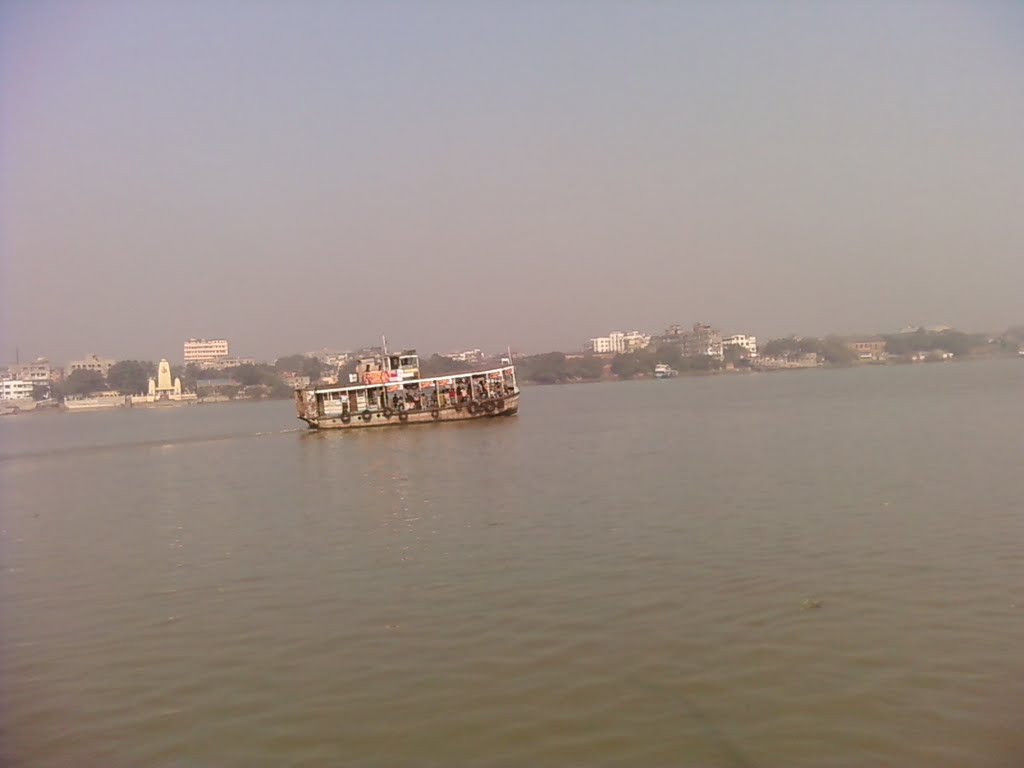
x=387 y=390
x=94 y=402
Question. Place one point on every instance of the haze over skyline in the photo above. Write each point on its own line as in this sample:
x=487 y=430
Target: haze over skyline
x=299 y=175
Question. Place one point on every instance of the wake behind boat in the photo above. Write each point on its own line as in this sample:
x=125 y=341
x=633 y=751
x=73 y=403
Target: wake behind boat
x=390 y=392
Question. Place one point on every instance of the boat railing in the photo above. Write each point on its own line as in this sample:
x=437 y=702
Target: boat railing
x=450 y=377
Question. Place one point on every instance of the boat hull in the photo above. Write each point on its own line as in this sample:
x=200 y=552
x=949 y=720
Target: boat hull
x=486 y=409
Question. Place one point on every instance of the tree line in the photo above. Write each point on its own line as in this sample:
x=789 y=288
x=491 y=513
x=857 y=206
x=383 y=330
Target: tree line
x=131 y=377
x=957 y=342
x=831 y=349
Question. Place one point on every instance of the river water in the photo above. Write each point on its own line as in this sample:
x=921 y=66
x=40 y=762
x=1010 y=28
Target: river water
x=814 y=568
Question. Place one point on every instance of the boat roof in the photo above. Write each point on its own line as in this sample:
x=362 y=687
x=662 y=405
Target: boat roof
x=430 y=380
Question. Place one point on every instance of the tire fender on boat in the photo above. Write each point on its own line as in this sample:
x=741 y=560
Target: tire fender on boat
x=473 y=409
x=366 y=415
x=435 y=414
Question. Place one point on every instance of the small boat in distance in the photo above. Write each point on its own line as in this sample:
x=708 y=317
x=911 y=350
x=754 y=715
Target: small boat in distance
x=664 y=371
x=387 y=390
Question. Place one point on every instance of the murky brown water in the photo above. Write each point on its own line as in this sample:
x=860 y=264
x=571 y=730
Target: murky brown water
x=616 y=577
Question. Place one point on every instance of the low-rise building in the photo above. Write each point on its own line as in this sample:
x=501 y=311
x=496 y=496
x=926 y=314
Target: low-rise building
x=619 y=342
x=38 y=371
x=702 y=340
x=295 y=380
x=746 y=343
x=91 y=363
x=868 y=349
x=466 y=356
x=15 y=389
x=805 y=360
x=223 y=363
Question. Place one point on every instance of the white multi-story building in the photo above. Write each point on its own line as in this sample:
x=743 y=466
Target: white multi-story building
x=91 y=363
x=15 y=389
x=748 y=343
x=619 y=342
x=205 y=350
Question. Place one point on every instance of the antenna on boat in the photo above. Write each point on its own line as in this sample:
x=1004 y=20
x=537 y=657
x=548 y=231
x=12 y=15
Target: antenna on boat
x=384 y=344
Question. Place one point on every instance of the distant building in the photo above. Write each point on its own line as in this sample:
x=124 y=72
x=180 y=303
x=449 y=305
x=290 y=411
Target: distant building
x=223 y=363
x=635 y=340
x=91 y=363
x=205 y=350
x=15 y=389
x=467 y=356
x=868 y=349
x=702 y=340
x=619 y=342
x=38 y=371
x=747 y=343
x=806 y=360
x=295 y=380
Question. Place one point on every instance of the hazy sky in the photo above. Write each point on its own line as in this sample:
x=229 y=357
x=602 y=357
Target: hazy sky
x=294 y=175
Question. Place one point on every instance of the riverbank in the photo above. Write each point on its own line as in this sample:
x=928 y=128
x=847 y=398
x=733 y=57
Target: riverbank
x=749 y=370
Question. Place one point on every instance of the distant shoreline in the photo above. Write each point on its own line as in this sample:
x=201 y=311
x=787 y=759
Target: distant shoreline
x=13 y=410
x=791 y=369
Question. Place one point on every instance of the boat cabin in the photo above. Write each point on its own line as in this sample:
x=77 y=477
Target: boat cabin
x=381 y=369
x=397 y=395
